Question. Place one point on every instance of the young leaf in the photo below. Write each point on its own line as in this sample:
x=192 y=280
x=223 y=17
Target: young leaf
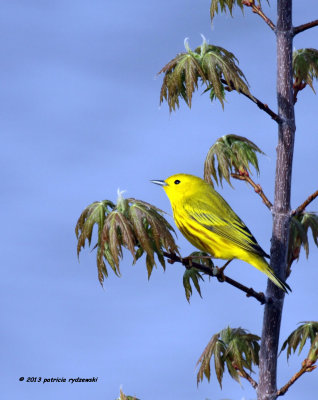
x=122 y=396
x=236 y=348
x=224 y=5
x=298 y=235
x=310 y=220
x=95 y=213
x=215 y=348
x=243 y=348
x=201 y=257
x=313 y=351
x=180 y=80
x=233 y=154
x=210 y=65
x=195 y=276
x=227 y=4
x=132 y=224
x=307 y=331
x=305 y=67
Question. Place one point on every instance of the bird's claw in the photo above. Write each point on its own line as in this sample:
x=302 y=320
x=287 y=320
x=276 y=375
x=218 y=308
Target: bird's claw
x=220 y=274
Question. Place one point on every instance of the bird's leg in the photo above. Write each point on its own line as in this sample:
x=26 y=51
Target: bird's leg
x=220 y=271
x=225 y=265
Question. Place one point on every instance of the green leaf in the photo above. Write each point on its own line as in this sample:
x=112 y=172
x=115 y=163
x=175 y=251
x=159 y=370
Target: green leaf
x=298 y=338
x=132 y=224
x=224 y=5
x=217 y=63
x=210 y=65
x=122 y=396
x=310 y=220
x=242 y=349
x=149 y=264
x=140 y=251
x=235 y=348
x=181 y=79
x=201 y=257
x=298 y=235
x=195 y=276
x=214 y=348
x=313 y=351
x=95 y=213
x=233 y=154
x=212 y=93
x=305 y=67
x=137 y=218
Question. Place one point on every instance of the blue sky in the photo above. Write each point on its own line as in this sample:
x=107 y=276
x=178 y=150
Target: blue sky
x=80 y=118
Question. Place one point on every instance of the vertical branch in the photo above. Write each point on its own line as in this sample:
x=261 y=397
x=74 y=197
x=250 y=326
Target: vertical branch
x=267 y=389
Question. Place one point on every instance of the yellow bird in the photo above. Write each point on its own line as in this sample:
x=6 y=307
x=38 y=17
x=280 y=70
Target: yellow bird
x=210 y=224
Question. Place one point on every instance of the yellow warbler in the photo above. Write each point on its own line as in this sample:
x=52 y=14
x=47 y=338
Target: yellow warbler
x=210 y=224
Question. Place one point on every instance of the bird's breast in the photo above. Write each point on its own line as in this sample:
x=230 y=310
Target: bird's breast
x=192 y=231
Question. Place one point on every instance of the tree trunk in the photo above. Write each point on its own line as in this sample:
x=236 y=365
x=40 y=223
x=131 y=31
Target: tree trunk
x=267 y=387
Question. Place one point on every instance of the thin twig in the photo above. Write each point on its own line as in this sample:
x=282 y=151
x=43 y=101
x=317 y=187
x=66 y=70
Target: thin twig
x=302 y=207
x=298 y=86
x=304 y=27
x=245 y=375
x=256 y=101
x=258 y=10
x=256 y=187
x=225 y=265
x=307 y=366
x=219 y=275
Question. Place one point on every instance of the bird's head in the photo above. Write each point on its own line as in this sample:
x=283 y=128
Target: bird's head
x=181 y=185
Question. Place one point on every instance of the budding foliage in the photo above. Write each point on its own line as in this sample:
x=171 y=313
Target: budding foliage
x=132 y=224
x=210 y=65
x=234 y=348
x=233 y=154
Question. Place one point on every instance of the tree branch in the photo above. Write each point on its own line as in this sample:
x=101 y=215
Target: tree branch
x=219 y=275
x=267 y=383
x=304 y=27
x=245 y=375
x=302 y=207
x=307 y=366
x=256 y=101
x=256 y=187
x=258 y=10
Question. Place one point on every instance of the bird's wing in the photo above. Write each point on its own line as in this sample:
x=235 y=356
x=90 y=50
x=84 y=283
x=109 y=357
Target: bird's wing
x=218 y=217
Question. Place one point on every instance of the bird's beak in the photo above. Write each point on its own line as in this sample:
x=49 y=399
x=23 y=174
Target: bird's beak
x=158 y=182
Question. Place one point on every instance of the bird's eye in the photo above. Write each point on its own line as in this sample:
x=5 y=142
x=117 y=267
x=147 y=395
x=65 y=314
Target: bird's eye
x=177 y=181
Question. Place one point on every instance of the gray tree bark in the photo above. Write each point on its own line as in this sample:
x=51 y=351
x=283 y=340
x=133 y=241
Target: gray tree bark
x=267 y=386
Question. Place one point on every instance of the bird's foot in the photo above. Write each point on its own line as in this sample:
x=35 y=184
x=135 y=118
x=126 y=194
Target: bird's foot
x=222 y=269
x=219 y=272
x=220 y=275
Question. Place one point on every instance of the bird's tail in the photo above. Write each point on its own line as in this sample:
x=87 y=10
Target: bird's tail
x=261 y=264
x=273 y=277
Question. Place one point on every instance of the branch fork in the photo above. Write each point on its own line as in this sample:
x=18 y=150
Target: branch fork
x=302 y=207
